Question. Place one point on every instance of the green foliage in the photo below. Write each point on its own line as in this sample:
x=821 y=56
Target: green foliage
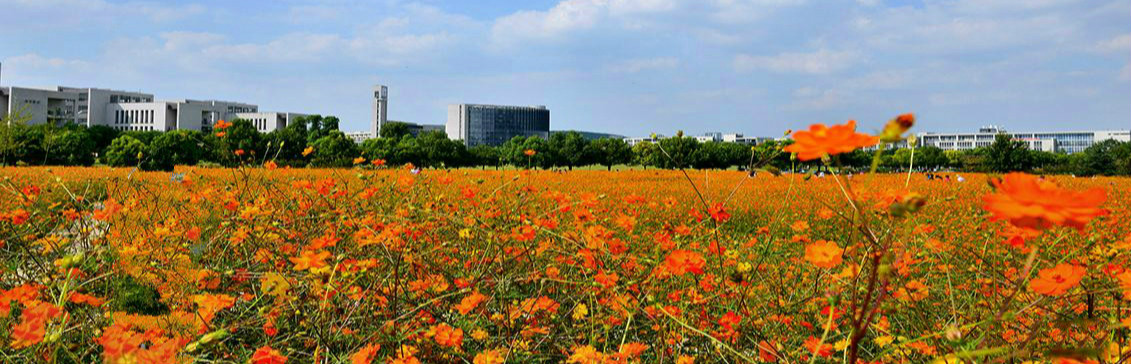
x=1007 y=155
x=285 y=145
x=678 y=151
x=334 y=150
x=609 y=152
x=133 y=297
x=1108 y=158
x=70 y=146
x=124 y=151
x=568 y=149
x=394 y=130
x=173 y=148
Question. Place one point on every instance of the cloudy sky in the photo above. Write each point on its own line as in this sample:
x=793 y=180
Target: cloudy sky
x=624 y=66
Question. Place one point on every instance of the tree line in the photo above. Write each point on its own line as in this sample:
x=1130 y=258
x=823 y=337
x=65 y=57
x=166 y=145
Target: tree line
x=316 y=141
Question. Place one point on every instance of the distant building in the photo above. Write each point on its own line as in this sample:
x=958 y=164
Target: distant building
x=590 y=135
x=633 y=141
x=267 y=122
x=705 y=138
x=359 y=136
x=1061 y=141
x=495 y=124
x=416 y=129
x=380 y=109
x=127 y=111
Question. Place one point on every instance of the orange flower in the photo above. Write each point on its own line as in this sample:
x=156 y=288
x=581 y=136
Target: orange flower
x=307 y=151
x=446 y=335
x=815 y=346
x=1029 y=202
x=1057 y=280
x=270 y=165
x=820 y=141
x=221 y=125
x=824 y=254
x=377 y=162
x=210 y=304
x=529 y=152
x=680 y=262
x=718 y=213
x=359 y=160
x=586 y=355
x=490 y=357
x=33 y=324
x=266 y=355
x=365 y=355
x=310 y=260
x=470 y=302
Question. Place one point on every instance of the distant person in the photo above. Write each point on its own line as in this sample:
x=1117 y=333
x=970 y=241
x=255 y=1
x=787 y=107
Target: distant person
x=961 y=179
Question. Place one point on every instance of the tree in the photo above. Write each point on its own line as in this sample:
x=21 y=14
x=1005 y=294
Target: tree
x=439 y=151
x=646 y=154
x=102 y=136
x=568 y=149
x=243 y=135
x=394 y=130
x=1007 y=155
x=70 y=146
x=484 y=155
x=173 y=148
x=125 y=150
x=334 y=150
x=610 y=152
x=1107 y=158
x=380 y=148
x=678 y=151
x=285 y=145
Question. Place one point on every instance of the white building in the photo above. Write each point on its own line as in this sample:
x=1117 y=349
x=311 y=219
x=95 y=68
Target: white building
x=633 y=141
x=380 y=109
x=1058 y=141
x=128 y=111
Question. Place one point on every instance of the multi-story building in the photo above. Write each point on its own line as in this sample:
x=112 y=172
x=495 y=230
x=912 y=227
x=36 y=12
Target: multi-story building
x=1059 y=141
x=269 y=121
x=380 y=109
x=128 y=111
x=495 y=124
x=633 y=141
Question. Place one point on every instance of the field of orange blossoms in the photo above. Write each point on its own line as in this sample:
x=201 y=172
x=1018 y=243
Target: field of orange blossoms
x=394 y=265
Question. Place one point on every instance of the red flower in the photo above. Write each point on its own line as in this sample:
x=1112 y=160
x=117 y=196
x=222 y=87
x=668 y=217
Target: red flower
x=267 y=355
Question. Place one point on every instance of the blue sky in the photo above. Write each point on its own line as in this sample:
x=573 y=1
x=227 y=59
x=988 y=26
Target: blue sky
x=631 y=67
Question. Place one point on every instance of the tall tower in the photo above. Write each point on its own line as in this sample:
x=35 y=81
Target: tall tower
x=380 y=109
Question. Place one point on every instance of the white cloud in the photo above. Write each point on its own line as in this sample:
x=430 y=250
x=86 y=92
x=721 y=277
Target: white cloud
x=822 y=61
x=34 y=60
x=83 y=11
x=643 y=64
x=1118 y=44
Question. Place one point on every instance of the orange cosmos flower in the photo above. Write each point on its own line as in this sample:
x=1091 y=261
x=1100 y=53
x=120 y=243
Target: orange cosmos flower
x=1057 y=280
x=824 y=254
x=529 y=152
x=33 y=324
x=1029 y=202
x=270 y=165
x=680 y=262
x=221 y=125
x=820 y=141
x=359 y=160
x=310 y=260
x=470 y=302
x=210 y=304
x=496 y=356
x=266 y=355
x=378 y=162
x=446 y=335
x=365 y=355
x=307 y=151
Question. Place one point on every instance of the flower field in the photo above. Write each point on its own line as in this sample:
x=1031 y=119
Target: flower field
x=388 y=265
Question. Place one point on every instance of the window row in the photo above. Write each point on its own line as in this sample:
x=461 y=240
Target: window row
x=133 y=116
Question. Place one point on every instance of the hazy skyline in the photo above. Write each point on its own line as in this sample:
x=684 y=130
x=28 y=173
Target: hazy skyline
x=629 y=67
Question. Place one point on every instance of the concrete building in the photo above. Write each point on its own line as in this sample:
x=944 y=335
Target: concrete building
x=633 y=141
x=267 y=122
x=129 y=111
x=495 y=124
x=1059 y=142
x=380 y=109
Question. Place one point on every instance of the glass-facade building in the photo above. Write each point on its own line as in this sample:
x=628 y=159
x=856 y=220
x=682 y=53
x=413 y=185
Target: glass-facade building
x=495 y=124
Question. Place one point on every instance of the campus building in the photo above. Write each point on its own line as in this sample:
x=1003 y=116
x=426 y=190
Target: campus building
x=495 y=124
x=1057 y=141
x=129 y=111
x=589 y=135
x=380 y=110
